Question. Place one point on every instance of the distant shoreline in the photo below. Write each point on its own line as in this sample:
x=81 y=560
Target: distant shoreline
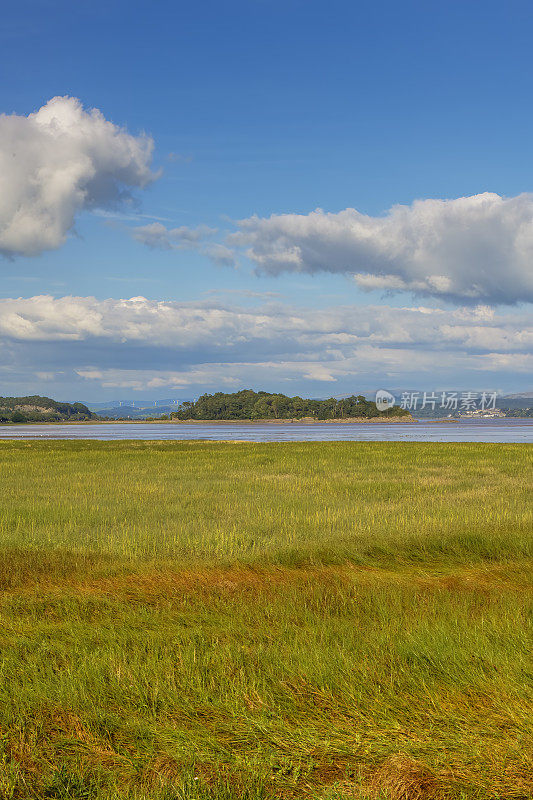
x=300 y=421
x=304 y=421
x=153 y=421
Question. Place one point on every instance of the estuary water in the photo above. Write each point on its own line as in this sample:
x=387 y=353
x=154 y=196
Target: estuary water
x=497 y=430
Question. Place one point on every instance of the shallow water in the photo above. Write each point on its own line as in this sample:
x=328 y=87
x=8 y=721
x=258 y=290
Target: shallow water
x=498 y=430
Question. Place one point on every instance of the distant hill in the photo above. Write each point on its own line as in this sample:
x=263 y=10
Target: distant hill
x=41 y=409
x=522 y=400
x=142 y=404
x=135 y=412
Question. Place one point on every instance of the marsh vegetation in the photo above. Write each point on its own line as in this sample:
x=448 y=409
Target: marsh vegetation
x=214 y=620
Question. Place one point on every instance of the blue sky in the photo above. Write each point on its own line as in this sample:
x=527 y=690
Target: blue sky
x=256 y=109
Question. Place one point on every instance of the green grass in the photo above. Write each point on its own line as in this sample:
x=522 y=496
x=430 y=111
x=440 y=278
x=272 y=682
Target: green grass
x=219 y=621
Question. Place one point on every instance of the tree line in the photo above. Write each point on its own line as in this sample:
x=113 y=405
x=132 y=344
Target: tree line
x=248 y=404
x=41 y=409
x=518 y=412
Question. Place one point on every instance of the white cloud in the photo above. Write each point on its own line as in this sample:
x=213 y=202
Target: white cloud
x=368 y=365
x=145 y=344
x=220 y=254
x=138 y=379
x=471 y=249
x=55 y=163
x=157 y=236
x=508 y=362
x=179 y=325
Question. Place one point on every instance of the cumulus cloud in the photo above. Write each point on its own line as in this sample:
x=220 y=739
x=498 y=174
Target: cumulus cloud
x=471 y=249
x=368 y=367
x=58 y=161
x=143 y=344
x=170 y=323
x=220 y=254
x=157 y=236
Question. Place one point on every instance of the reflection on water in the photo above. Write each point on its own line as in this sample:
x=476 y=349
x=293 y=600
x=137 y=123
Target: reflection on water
x=498 y=430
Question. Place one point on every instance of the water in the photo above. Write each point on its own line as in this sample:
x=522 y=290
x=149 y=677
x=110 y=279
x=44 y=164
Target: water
x=497 y=430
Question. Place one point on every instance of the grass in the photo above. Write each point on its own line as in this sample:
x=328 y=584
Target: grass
x=217 y=621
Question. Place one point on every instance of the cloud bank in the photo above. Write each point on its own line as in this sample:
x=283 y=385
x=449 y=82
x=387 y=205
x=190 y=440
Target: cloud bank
x=472 y=249
x=143 y=344
x=58 y=161
x=158 y=237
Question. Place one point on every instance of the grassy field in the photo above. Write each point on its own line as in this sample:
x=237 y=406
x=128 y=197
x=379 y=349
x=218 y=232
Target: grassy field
x=216 y=621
